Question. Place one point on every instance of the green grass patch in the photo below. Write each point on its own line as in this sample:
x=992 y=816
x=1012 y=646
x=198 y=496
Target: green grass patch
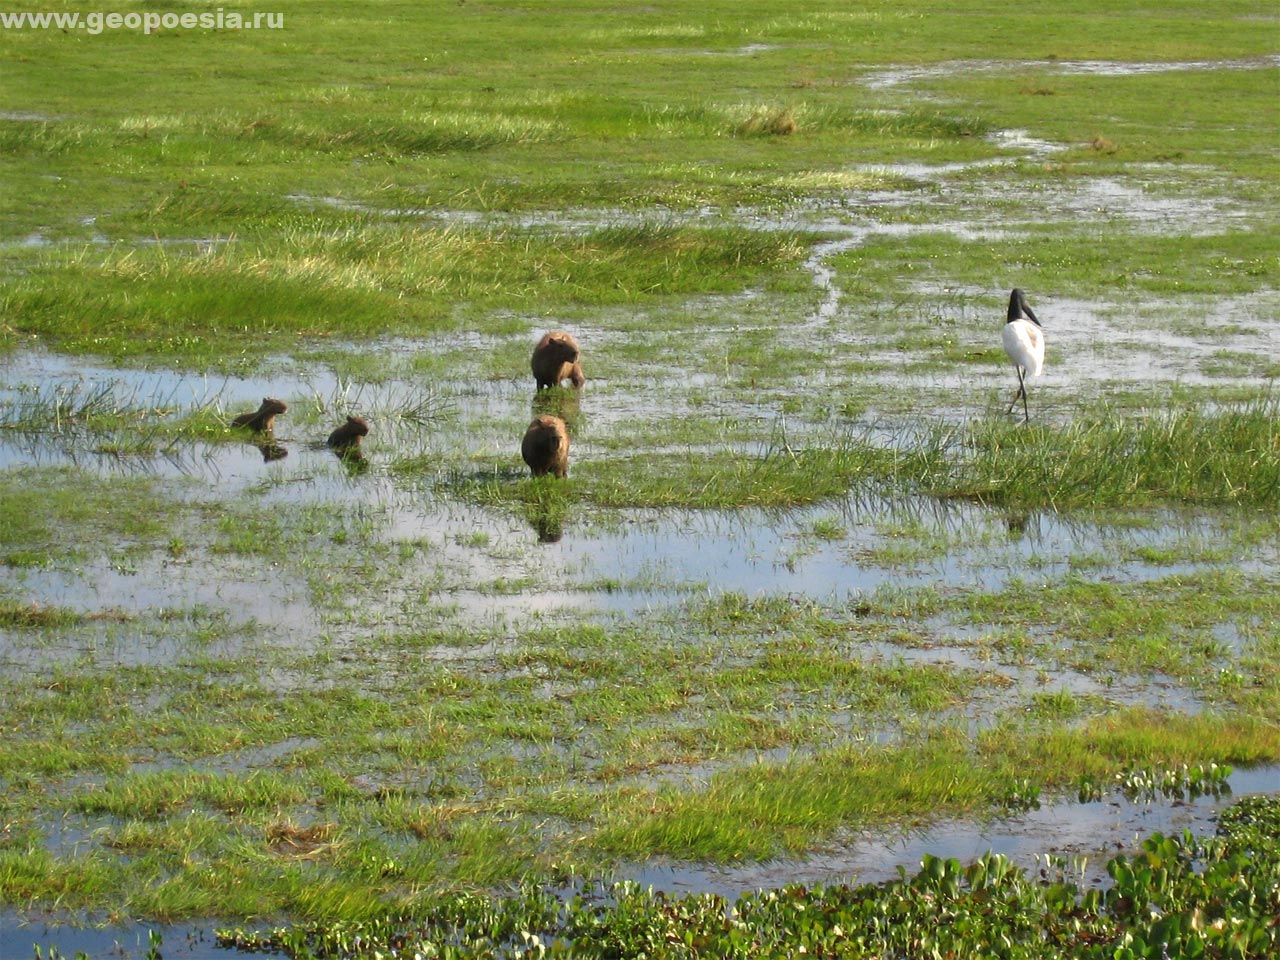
x=768 y=809
x=776 y=477
x=228 y=304
x=1109 y=263
x=1111 y=457
x=16 y=615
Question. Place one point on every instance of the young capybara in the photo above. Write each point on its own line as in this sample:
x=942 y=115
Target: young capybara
x=555 y=359
x=347 y=436
x=545 y=447
x=264 y=418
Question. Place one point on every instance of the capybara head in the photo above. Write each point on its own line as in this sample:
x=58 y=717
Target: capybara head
x=545 y=447
x=555 y=359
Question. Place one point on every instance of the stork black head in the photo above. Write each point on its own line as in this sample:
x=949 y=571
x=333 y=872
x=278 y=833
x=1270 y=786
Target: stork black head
x=1018 y=308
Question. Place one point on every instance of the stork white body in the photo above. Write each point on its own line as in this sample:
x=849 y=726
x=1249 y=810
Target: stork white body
x=1023 y=341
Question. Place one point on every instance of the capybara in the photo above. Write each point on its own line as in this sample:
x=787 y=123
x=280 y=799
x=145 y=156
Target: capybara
x=347 y=436
x=264 y=418
x=545 y=447
x=555 y=359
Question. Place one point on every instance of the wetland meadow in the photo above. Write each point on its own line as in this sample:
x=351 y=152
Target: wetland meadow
x=816 y=649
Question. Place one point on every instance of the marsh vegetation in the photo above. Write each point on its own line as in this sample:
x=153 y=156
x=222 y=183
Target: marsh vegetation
x=805 y=587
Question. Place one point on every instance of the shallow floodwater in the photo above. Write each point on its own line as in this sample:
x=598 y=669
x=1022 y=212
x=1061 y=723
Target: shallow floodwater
x=618 y=563
x=896 y=76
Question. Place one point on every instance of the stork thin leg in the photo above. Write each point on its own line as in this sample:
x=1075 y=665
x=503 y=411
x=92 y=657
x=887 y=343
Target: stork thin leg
x=1022 y=392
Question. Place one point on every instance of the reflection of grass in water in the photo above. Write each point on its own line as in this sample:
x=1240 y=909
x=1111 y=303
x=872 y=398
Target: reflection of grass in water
x=107 y=417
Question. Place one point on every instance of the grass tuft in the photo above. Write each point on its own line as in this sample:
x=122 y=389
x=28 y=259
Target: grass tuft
x=768 y=122
x=17 y=615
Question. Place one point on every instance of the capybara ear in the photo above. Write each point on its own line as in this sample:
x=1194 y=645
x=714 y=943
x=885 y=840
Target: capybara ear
x=545 y=447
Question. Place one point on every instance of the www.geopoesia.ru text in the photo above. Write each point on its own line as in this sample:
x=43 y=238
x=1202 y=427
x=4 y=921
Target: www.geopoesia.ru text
x=97 y=22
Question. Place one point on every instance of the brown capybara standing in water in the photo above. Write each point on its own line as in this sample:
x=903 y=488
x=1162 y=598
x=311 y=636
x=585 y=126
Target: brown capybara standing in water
x=545 y=447
x=555 y=359
x=264 y=418
x=347 y=436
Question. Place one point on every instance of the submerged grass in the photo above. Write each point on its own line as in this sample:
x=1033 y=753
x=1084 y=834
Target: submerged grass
x=50 y=516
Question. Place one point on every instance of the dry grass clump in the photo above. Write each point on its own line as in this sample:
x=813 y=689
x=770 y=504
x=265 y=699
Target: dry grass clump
x=290 y=840
x=768 y=122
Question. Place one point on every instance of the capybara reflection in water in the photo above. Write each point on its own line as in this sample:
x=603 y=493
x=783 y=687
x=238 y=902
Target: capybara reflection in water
x=271 y=450
x=264 y=418
x=545 y=447
x=555 y=359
